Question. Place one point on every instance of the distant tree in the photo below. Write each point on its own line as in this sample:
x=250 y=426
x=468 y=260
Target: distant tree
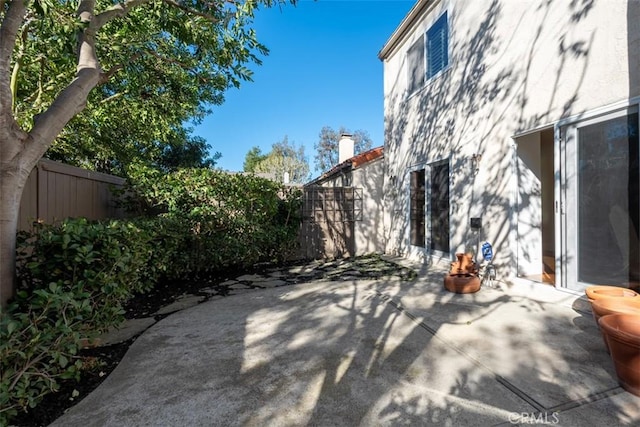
x=285 y=157
x=192 y=152
x=327 y=146
x=252 y=158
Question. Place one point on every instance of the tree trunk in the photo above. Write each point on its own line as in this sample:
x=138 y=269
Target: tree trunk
x=19 y=150
x=12 y=182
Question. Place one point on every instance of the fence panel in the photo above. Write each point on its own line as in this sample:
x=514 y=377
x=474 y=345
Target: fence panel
x=56 y=191
x=328 y=221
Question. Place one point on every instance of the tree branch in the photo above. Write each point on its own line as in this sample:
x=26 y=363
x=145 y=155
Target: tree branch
x=113 y=70
x=116 y=11
x=17 y=66
x=192 y=11
x=67 y=104
x=9 y=28
x=73 y=98
x=113 y=97
x=169 y=60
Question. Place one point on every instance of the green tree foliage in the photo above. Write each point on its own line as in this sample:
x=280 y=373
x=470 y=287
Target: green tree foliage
x=327 y=146
x=191 y=152
x=140 y=68
x=252 y=158
x=156 y=85
x=284 y=158
x=178 y=149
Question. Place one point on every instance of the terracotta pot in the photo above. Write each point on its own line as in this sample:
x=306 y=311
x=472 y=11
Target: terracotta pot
x=604 y=306
x=464 y=264
x=622 y=332
x=462 y=283
x=608 y=306
x=602 y=291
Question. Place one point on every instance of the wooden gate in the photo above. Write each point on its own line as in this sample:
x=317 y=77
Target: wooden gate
x=328 y=219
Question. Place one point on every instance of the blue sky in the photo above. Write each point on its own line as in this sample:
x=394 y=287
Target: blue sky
x=322 y=70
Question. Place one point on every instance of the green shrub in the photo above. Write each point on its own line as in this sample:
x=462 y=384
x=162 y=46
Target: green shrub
x=104 y=258
x=75 y=277
x=215 y=219
x=73 y=280
x=39 y=346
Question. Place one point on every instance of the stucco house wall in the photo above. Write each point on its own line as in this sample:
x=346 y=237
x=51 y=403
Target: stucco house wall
x=369 y=231
x=517 y=70
x=364 y=172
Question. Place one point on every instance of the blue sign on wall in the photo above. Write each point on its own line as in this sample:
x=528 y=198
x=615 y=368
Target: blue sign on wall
x=487 y=251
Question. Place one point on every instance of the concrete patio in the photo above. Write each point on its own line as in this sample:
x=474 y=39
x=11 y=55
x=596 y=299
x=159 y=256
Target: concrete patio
x=364 y=353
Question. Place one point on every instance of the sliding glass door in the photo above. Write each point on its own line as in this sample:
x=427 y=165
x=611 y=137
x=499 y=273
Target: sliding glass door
x=600 y=205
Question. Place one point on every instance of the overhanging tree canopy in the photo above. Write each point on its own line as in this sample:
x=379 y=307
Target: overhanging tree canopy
x=53 y=54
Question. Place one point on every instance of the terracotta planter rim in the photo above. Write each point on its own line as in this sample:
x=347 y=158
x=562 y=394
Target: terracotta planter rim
x=610 y=323
x=611 y=306
x=605 y=291
x=626 y=305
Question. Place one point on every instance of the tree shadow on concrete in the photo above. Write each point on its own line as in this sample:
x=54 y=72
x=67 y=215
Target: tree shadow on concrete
x=380 y=352
x=383 y=353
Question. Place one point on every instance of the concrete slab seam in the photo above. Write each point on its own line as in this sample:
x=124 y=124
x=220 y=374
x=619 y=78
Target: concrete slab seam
x=589 y=399
x=501 y=380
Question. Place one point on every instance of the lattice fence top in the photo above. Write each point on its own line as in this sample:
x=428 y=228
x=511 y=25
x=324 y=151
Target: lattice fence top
x=330 y=204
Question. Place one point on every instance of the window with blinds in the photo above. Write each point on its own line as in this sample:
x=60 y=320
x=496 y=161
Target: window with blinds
x=437 y=46
x=428 y=55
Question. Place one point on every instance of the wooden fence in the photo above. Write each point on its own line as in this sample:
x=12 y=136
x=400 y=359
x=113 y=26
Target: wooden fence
x=56 y=191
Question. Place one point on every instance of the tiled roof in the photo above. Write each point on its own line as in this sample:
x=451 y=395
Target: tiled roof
x=352 y=163
x=366 y=157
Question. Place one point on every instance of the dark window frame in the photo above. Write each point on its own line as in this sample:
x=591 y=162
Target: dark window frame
x=416 y=65
x=440 y=206
x=417 y=208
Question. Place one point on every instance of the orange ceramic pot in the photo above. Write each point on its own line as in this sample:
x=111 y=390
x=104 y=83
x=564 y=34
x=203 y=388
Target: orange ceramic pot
x=464 y=264
x=602 y=291
x=604 y=306
x=608 y=306
x=622 y=332
x=462 y=283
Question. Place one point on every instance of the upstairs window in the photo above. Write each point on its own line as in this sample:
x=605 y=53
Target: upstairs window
x=415 y=60
x=428 y=55
x=437 y=46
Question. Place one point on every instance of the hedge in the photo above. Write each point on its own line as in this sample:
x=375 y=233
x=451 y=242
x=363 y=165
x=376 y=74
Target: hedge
x=75 y=277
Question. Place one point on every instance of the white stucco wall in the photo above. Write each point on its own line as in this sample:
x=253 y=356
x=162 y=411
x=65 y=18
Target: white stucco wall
x=369 y=228
x=514 y=66
x=369 y=232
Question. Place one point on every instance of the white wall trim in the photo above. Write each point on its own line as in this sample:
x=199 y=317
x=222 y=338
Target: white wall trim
x=597 y=112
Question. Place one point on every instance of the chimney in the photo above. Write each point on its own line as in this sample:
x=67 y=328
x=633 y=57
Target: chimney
x=345 y=147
